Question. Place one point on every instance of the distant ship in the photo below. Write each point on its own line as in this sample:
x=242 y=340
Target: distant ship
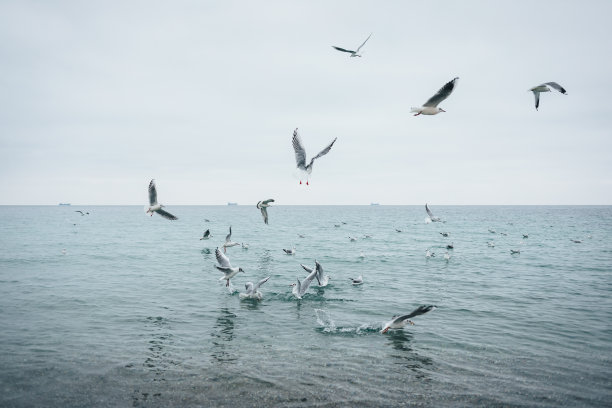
x=64 y=204
x=374 y=203
x=232 y=203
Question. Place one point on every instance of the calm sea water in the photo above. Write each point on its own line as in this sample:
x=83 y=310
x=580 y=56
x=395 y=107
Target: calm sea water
x=133 y=313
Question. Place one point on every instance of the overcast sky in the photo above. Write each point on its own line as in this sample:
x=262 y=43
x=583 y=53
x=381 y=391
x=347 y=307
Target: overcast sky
x=99 y=97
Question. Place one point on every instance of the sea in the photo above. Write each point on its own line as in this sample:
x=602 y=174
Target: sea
x=119 y=309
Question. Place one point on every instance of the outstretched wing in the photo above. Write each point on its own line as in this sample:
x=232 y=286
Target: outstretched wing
x=428 y=211
x=222 y=259
x=261 y=282
x=152 y=193
x=319 y=270
x=442 y=94
x=557 y=87
x=268 y=201
x=416 y=312
x=300 y=152
x=323 y=152
x=342 y=49
x=307 y=269
x=537 y=99
x=228 y=237
x=364 y=42
x=166 y=215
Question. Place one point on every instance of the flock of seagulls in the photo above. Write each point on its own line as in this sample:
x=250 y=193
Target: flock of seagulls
x=430 y=107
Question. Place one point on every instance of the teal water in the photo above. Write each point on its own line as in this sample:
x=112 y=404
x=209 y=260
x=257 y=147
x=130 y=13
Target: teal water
x=133 y=313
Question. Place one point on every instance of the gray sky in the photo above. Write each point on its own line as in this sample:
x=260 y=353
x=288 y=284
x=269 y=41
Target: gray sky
x=99 y=97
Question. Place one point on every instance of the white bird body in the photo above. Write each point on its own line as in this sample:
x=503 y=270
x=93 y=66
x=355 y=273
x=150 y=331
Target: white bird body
x=228 y=241
x=154 y=206
x=252 y=291
x=226 y=267
x=431 y=106
x=300 y=154
x=300 y=288
x=400 y=321
x=431 y=216
x=290 y=251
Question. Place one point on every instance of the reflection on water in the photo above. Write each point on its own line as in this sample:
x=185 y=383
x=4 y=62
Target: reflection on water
x=206 y=253
x=265 y=260
x=404 y=354
x=249 y=304
x=222 y=335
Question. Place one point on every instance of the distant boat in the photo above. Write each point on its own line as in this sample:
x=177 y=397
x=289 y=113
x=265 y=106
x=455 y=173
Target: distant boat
x=374 y=203
x=232 y=203
x=64 y=204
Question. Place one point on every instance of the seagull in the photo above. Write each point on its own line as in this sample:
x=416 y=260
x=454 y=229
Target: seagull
x=353 y=53
x=352 y=239
x=445 y=234
x=492 y=231
x=245 y=246
x=252 y=291
x=431 y=216
x=228 y=241
x=545 y=88
x=362 y=255
x=431 y=106
x=525 y=235
x=322 y=280
x=300 y=154
x=154 y=206
x=367 y=236
x=447 y=256
x=576 y=241
x=206 y=235
x=400 y=321
x=337 y=225
x=263 y=205
x=398 y=230
x=515 y=251
x=225 y=267
x=79 y=211
x=491 y=244
x=357 y=281
x=301 y=235
x=429 y=254
x=290 y=251
x=301 y=287
x=450 y=246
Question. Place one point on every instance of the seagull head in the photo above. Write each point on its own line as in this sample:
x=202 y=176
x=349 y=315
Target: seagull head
x=240 y=270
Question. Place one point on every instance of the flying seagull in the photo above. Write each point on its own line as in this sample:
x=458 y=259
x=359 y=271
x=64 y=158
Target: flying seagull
x=300 y=154
x=400 y=321
x=206 y=235
x=252 y=291
x=545 y=88
x=431 y=216
x=431 y=106
x=228 y=241
x=79 y=211
x=225 y=267
x=300 y=288
x=353 y=53
x=263 y=205
x=154 y=206
x=322 y=280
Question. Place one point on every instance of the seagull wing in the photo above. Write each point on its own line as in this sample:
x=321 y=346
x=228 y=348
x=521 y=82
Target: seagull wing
x=442 y=94
x=416 y=312
x=268 y=201
x=300 y=152
x=261 y=282
x=228 y=237
x=342 y=49
x=249 y=288
x=264 y=214
x=222 y=259
x=557 y=87
x=152 y=193
x=307 y=269
x=429 y=211
x=537 y=98
x=166 y=215
x=319 y=270
x=364 y=43
x=206 y=234
x=323 y=152
x=307 y=281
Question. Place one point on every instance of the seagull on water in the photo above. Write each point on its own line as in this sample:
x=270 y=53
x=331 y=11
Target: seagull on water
x=300 y=154
x=154 y=206
x=300 y=288
x=445 y=234
x=545 y=88
x=322 y=280
x=353 y=53
x=263 y=205
x=225 y=267
x=244 y=246
x=515 y=251
x=429 y=254
x=431 y=106
x=400 y=321
x=431 y=216
x=228 y=241
x=252 y=291
x=357 y=281
x=290 y=251
x=447 y=256
x=450 y=246
x=206 y=235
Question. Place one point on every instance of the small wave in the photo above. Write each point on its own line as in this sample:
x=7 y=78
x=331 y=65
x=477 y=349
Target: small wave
x=328 y=326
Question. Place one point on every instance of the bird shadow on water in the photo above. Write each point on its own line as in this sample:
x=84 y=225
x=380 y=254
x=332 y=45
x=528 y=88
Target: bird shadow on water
x=223 y=334
x=404 y=355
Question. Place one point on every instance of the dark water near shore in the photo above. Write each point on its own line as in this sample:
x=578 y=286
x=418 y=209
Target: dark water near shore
x=133 y=313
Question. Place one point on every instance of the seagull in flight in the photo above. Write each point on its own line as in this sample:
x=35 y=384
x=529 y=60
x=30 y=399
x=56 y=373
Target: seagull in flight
x=263 y=205
x=154 y=206
x=206 y=235
x=252 y=291
x=353 y=53
x=431 y=216
x=79 y=211
x=431 y=106
x=228 y=241
x=300 y=154
x=545 y=88
x=322 y=280
x=400 y=321
x=225 y=267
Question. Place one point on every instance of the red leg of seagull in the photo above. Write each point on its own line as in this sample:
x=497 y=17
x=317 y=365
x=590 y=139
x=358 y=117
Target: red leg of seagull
x=307 y=183
x=417 y=114
x=300 y=181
